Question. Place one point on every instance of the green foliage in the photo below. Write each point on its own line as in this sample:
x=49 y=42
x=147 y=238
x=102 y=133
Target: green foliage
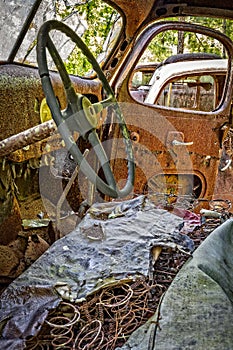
x=210 y=45
x=99 y=19
x=161 y=47
x=166 y=43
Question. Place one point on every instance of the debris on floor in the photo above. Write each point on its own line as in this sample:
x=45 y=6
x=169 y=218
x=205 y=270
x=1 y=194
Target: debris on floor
x=105 y=279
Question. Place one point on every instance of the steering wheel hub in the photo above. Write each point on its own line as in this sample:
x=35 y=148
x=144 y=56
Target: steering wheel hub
x=89 y=112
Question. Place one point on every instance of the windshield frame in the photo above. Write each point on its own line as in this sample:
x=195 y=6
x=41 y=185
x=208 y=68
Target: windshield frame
x=24 y=30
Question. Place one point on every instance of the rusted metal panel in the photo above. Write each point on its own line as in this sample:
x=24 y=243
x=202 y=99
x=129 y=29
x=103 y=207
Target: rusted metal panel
x=152 y=133
x=141 y=10
x=21 y=90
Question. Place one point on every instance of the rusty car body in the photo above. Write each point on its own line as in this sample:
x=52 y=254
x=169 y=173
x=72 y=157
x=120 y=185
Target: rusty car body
x=130 y=129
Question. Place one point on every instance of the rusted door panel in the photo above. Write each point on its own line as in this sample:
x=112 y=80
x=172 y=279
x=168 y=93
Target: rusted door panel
x=152 y=131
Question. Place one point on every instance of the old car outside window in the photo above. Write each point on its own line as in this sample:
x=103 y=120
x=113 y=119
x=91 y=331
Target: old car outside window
x=191 y=92
x=193 y=79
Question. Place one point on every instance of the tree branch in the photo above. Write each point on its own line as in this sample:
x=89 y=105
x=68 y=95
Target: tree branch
x=27 y=137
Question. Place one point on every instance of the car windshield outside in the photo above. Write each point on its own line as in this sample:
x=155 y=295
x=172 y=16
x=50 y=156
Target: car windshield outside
x=21 y=33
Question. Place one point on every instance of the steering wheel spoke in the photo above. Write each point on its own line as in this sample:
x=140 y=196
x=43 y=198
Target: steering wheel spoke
x=80 y=114
x=99 y=106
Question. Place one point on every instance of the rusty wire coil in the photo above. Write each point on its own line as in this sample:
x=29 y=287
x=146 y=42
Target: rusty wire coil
x=64 y=322
x=62 y=341
x=105 y=319
x=60 y=331
x=111 y=300
x=89 y=336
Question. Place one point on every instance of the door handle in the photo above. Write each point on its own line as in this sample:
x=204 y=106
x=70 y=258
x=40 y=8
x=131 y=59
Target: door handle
x=181 y=143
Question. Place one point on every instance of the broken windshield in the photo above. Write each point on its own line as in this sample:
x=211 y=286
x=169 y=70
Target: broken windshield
x=78 y=15
x=13 y=14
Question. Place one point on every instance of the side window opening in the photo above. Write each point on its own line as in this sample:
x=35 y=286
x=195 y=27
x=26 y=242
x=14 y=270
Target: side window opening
x=192 y=80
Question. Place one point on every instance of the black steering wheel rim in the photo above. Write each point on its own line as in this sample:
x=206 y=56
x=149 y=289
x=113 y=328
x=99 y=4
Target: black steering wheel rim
x=75 y=107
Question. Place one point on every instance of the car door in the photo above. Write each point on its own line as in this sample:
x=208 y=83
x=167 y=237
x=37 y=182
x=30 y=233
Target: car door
x=177 y=149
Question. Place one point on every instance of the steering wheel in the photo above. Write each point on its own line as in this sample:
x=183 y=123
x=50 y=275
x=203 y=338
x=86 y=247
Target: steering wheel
x=80 y=114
